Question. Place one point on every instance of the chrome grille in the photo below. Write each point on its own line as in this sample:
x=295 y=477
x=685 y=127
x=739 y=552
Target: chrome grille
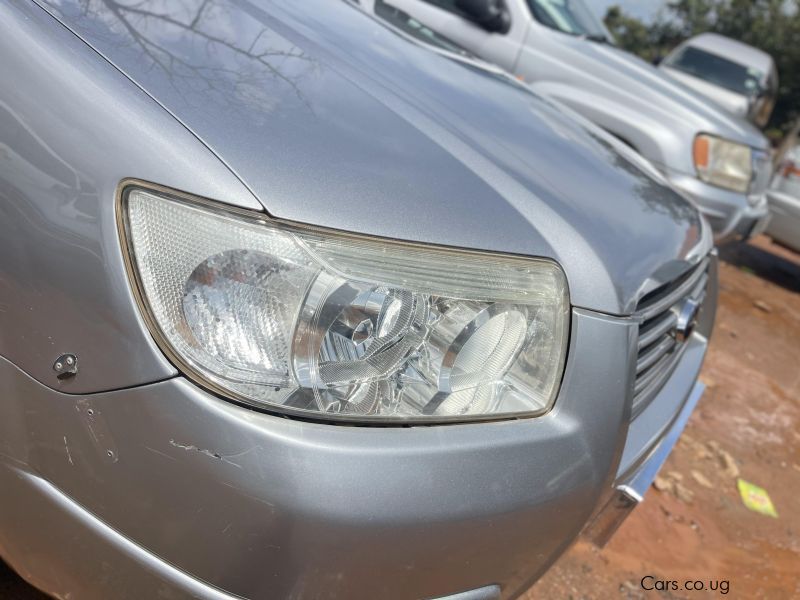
x=658 y=349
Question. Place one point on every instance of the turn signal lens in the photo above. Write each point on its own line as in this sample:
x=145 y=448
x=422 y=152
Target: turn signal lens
x=701 y=145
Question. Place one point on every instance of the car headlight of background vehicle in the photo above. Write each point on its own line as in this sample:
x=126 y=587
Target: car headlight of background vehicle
x=316 y=322
x=723 y=163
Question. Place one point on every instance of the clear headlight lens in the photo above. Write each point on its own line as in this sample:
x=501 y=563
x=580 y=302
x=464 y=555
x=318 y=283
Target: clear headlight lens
x=341 y=326
x=723 y=163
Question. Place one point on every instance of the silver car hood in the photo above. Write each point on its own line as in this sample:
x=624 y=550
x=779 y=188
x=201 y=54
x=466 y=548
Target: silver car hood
x=659 y=92
x=734 y=103
x=330 y=118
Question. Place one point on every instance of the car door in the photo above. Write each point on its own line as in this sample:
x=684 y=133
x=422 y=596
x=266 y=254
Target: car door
x=444 y=17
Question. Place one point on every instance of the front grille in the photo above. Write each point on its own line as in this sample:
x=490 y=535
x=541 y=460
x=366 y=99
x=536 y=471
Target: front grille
x=658 y=349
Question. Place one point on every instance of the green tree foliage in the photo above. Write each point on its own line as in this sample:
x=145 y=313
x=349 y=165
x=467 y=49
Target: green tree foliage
x=771 y=25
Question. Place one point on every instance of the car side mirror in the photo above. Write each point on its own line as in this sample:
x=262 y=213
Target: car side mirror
x=491 y=15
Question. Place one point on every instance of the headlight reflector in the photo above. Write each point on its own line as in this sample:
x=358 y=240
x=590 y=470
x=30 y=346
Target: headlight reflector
x=723 y=163
x=314 y=322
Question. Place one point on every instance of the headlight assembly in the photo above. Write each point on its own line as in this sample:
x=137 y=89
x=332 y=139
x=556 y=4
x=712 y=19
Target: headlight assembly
x=722 y=163
x=321 y=323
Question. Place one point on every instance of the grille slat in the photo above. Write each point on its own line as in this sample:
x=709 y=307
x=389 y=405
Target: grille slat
x=646 y=379
x=654 y=353
x=658 y=349
x=650 y=383
x=660 y=326
x=659 y=304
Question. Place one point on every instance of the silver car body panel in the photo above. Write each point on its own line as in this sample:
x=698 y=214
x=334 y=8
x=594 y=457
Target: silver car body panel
x=157 y=476
x=63 y=287
x=621 y=93
x=784 y=224
x=735 y=50
x=184 y=494
x=732 y=102
x=784 y=202
x=287 y=505
x=732 y=50
x=294 y=146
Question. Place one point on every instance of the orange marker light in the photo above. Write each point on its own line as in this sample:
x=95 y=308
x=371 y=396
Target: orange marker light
x=701 y=147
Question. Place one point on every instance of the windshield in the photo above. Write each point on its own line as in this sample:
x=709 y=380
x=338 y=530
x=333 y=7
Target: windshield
x=569 y=16
x=717 y=70
x=415 y=29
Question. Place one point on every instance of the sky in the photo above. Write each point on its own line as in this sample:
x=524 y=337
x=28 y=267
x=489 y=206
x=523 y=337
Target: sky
x=643 y=9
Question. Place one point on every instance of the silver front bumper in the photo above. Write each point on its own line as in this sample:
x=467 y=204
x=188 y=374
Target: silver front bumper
x=730 y=214
x=182 y=494
x=629 y=491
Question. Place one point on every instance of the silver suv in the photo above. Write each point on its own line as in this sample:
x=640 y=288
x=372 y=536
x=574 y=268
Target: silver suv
x=563 y=51
x=294 y=306
x=740 y=78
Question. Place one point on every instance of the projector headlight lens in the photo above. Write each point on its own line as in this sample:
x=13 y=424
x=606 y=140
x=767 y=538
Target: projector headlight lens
x=321 y=323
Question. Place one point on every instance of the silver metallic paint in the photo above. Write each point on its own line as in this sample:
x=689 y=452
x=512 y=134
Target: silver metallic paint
x=334 y=120
x=614 y=89
x=71 y=127
x=262 y=506
x=180 y=493
x=743 y=106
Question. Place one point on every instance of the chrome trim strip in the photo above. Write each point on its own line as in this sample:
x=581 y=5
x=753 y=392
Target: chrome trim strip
x=644 y=476
x=630 y=492
x=490 y=592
